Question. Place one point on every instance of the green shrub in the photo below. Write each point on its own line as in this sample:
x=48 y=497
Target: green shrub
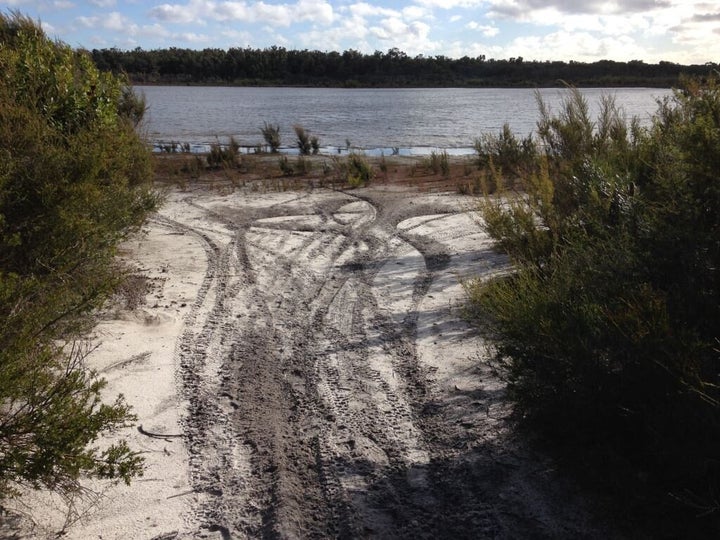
x=512 y=156
x=224 y=156
x=354 y=171
x=301 y=166
x=271 y=134
x=73 y=183
x=609 y=326
x=303 y=140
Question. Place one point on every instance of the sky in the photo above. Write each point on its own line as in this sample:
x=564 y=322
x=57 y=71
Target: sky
x=682 y=31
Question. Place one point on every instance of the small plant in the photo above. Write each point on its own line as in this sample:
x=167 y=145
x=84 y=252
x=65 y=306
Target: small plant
x=355 y=171
x=271 y=134
x=438 y=163
x=444 y=163
x=516 y=157
x=315 y=144
x=383 y=164
x=303 y=140
x=302 y=165
x=285 y=167
x=224 y=156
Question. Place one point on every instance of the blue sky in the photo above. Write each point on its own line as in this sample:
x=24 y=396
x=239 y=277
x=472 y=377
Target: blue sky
x=683 y=31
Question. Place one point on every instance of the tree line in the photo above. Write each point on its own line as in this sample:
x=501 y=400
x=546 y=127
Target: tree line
x=283 y=67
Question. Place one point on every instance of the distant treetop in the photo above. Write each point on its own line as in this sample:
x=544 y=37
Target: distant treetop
x=279 y=66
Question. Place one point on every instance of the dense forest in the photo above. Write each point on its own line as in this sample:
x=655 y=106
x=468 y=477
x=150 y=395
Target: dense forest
x=282 y=67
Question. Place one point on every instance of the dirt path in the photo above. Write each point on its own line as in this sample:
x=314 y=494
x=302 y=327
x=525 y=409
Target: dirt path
x=322 y=384
x=333 y=390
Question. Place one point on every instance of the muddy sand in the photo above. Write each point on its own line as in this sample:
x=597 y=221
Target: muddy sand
x=300 y=369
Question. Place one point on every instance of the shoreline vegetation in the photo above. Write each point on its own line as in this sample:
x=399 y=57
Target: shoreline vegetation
x=607 y=332
x=277 y=66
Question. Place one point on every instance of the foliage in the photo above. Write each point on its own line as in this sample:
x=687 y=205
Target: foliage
x=271 y=134
x=354 y=171
x=609 y=326
x=303 y=140
x=315 y=145
x=73 y=182
x=437 y=163
x=392 y=68
x=512 y=157
x=224 y=156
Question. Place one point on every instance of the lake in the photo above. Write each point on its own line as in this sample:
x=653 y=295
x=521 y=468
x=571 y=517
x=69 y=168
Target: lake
x=408 y=121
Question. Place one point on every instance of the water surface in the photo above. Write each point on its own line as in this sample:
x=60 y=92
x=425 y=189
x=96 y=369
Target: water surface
x=411 y=121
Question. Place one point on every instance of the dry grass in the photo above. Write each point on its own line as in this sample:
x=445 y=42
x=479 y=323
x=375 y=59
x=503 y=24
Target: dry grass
x=262 y=172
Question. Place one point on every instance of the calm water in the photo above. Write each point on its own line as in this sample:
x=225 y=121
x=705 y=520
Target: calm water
x=376 y=120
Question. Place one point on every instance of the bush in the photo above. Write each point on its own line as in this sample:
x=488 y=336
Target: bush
x=609 y=327
x=73 y=183
x=271 y=134
x=515 y=158
x=224 y=156
x=303 y=140
x=354 y=171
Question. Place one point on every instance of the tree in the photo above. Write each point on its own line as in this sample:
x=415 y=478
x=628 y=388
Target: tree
x=73 y=183
x=608 y=327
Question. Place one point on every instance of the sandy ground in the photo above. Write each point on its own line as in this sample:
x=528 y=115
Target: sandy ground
x=300 y=369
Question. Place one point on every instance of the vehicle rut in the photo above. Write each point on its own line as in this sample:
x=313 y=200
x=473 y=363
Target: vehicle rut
x=315 y=409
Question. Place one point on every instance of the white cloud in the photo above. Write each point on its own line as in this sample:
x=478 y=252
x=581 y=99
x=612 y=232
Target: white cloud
x=450 y=4
x=103 y=3
x=487 y=31
x=314 y=11
x=48 y=28
x=581 y=46
x=363 y=9
x=412 y=13
x=411 y=38
x=192 y=37
x=114 y=21
x=174 y=13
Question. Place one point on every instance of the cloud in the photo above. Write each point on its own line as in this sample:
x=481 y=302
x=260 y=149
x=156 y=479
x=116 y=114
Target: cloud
x=515 y=9
x=450 y=4
x=581 y=46
x=103 y=3
x=363 y=9
x=411 y=13
x=706 y=17
x=411 y=38
x=487 y=31
x=314 y=11
x=114 y=21
x=175 y=13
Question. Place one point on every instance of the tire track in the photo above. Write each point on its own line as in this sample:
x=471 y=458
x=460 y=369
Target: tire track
x=311 y=413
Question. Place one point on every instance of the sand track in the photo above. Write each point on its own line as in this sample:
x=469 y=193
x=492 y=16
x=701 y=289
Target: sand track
x=333 y=390
x=328 y=385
